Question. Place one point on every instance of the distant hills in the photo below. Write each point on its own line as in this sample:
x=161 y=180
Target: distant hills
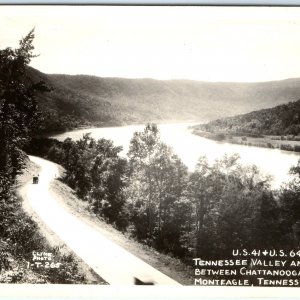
x=81 y=100
x=280 y=120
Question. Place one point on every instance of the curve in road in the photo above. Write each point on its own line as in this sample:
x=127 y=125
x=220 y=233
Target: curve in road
x=110 y=261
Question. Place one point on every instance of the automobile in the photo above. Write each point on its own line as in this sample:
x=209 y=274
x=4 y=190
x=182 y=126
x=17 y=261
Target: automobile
x=35 y=179
x=138 y=281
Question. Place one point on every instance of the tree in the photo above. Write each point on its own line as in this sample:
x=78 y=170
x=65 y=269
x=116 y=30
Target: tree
x=289 y=199
x=18 y=106
x=107 y=171
x=18 y=117
x=174 y=207
x=155 y=191
x=247 y=212
x=198 y=193
x=232 y=203
x=142 y=149
x=96 y=172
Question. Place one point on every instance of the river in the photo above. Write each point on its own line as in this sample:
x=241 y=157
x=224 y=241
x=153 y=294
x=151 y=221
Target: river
x=190 y=147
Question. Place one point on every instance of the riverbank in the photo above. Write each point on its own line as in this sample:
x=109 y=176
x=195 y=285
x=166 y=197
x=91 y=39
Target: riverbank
x=189 y=147
x=95 y=125
x=285 y=143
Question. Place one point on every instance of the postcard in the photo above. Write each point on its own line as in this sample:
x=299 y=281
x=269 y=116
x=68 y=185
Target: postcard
x=149 y=145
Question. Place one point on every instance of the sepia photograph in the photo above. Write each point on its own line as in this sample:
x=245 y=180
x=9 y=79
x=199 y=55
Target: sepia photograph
x=150 y=145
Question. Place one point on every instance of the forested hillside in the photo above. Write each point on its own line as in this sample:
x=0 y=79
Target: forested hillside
x=280 y=120
x=19 y=234
x=89 y=100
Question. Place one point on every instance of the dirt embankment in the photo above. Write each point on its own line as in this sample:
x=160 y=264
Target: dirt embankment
x=170 y=266
x=52 y=239
x=66 y=197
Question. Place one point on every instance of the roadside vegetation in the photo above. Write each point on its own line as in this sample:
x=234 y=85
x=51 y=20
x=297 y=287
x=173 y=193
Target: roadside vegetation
x=153 y=198
x=19 y=117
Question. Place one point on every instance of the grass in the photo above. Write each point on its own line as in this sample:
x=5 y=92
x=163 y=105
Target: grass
x=267 y=141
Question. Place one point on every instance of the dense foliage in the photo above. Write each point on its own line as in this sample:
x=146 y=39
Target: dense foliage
x=18 y=109
x=280 y=120
x=93 y=169
x=197 y=213
x=19 y=235
x=152 y=195
x=156 y=183
x=18 y=116
x=289 y=202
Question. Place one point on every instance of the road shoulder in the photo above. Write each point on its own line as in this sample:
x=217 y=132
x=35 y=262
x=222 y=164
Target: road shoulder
x=170 y=266
x=54 y=241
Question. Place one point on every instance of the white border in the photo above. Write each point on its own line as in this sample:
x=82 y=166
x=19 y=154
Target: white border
x=76 y=291
x=156 y=2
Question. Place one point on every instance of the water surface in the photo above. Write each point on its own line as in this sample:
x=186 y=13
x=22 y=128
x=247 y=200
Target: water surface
x=190 y=147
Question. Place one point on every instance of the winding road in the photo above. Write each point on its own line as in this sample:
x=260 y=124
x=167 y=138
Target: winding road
x=113 y=263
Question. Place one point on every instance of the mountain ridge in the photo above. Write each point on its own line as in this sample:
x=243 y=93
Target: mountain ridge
x=88 y=100
x=283 y=119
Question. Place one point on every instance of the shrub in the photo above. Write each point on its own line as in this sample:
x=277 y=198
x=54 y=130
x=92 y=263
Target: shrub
x=297 y=148
x=286 y=147
x=218 y=137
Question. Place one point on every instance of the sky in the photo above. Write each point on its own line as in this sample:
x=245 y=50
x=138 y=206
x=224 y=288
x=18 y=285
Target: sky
x=242 y=44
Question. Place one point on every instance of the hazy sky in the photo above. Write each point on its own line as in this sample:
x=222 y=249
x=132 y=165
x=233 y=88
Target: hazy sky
x=201 y=43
